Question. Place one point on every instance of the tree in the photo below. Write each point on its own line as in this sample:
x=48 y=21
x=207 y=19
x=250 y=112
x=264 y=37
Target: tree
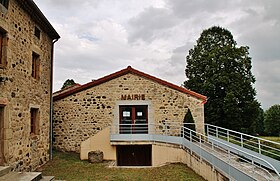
x=219 y=69
x=260 y=123
x=67 y=83
x=189 y=119
x=272 y=120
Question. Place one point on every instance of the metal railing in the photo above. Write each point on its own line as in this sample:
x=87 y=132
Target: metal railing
x=201 y=145
x=256 y=144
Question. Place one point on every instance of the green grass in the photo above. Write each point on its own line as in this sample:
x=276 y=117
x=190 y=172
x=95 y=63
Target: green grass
x=68 y=166
x=272 y=138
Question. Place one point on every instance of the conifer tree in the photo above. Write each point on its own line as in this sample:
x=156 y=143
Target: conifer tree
x=68 y=83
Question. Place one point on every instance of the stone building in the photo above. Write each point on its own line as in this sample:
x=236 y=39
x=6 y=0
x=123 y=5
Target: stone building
x=129 y=102
x=26 y=59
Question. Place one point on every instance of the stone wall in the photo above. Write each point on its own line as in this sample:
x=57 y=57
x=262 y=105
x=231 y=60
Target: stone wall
x=81 y=115
x=20 y=91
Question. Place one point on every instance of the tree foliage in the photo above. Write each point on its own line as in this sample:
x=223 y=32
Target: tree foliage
x=219 y=69
x=272 y=120
x=189 y=119
x=67 y=83
x=259 y=127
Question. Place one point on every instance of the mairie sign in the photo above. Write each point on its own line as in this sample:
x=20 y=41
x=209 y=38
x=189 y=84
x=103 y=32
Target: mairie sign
x=133 y=97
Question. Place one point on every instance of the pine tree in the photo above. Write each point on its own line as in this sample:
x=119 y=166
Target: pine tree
x=219 y=69
x=68 y=83
x=189 y=119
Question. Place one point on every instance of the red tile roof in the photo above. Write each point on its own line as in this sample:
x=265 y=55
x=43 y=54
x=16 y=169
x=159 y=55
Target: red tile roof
x=125 y=71
x=66 y=89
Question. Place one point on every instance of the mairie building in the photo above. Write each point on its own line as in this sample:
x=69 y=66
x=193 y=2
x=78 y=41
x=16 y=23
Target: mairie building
x=127 y=102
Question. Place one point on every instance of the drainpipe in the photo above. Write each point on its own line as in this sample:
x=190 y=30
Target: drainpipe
x=51 y=101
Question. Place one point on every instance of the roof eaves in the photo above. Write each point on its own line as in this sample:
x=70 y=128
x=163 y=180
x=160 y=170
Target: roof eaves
x=91 y=84
x=37 y=15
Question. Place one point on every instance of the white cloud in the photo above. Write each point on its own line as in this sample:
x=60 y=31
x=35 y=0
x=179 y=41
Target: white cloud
x=100 y=37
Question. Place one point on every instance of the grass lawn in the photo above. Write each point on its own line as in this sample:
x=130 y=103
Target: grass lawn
x=272 y=138
x=68 y=166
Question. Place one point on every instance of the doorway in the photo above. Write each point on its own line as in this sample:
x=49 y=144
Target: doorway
x=2 y=108
x=133 y=119
x=134 y=155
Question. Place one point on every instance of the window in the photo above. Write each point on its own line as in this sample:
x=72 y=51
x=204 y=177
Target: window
x=2 y=108
x=35 y=65
x=37 y=32
x=1 y=49
x=34 y=118
x=5 y=3
x=1 y=116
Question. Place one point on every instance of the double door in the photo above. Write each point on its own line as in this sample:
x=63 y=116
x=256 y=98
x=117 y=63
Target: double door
x=134 y=119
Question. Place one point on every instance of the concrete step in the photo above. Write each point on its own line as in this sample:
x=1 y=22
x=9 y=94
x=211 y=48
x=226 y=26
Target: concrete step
x=4 y=170
x=48 y=178
x=22 y=176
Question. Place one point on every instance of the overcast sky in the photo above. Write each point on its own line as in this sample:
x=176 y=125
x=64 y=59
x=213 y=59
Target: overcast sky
x=99 y=37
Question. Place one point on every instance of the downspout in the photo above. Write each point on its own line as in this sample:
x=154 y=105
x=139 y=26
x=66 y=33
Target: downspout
x=51 y=102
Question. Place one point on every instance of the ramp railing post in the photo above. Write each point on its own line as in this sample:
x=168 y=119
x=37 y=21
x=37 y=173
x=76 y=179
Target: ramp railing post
x=259 y=144
x=241 y=140
x=183 y=132
x=227 y=135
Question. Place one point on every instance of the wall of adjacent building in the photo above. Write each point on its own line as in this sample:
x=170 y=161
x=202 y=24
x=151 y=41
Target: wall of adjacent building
x=82 y=115
x=20 y=91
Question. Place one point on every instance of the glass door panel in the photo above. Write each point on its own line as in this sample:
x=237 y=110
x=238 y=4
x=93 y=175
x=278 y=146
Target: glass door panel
x=133 y=119
x=126 y=120
x=140 y=122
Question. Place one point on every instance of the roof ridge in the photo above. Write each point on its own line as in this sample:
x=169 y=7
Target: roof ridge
x=127 y=70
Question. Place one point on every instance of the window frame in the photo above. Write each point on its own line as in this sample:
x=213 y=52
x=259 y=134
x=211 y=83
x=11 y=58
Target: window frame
x=1 y=49
x=37 y=32
x=2 y=119
x=34 y=121
x=2 y=114
x=35 y=67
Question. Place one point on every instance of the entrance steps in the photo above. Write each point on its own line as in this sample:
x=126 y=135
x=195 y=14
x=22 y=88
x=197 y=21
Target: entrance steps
x=6 y=174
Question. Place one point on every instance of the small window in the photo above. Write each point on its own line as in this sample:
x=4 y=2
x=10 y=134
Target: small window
x=1 y=49
x=5 y=3
x=1 y=114
x=34 y=118
x=2 y=108
x=37 y=32
x=35 y=65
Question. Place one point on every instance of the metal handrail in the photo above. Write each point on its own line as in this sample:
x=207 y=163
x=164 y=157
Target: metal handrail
x=253 y=156
x=215 y=131
x=234 y=148
x=243 y=134
x=183 y=131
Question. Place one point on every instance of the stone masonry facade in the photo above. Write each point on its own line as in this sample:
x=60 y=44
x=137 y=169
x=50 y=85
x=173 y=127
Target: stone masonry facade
x=83 y=114
x=20 y=91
